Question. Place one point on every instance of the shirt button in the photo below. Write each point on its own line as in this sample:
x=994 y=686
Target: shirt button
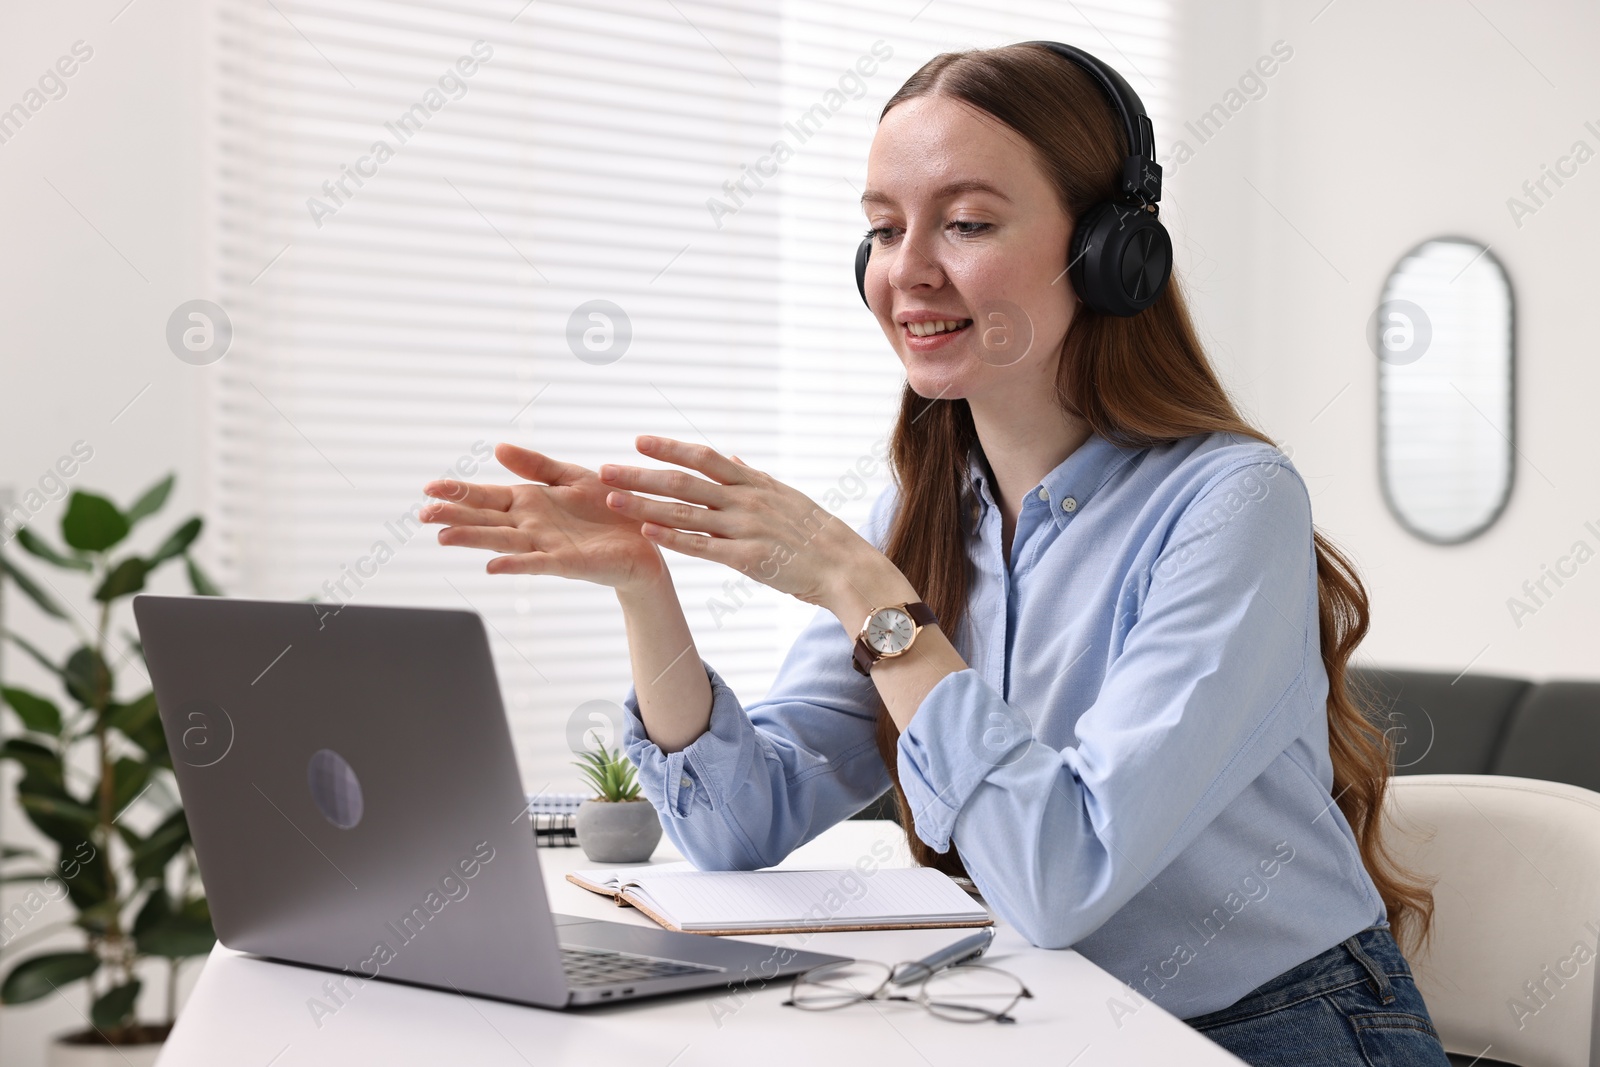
x=684 y=781
x=1044 y=494
x=1069 y=505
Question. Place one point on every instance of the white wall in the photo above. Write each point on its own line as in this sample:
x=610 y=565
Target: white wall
x=1391 y=122
x=83 y=332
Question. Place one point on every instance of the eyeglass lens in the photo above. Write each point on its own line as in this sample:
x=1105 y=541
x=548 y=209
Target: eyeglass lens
x=968 y=993
x=971 y=993
x=834 y=985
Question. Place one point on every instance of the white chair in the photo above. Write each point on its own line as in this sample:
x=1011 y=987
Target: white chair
x=1510 y=971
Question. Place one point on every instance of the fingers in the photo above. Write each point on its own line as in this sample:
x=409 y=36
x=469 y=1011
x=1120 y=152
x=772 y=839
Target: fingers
x=673 y=483
x=527 y=563
x=535 y=466
x=497 y=497
x=670 y=513
x=495 y=538
x=690 y=544
x=458 y=515
x=703 y=458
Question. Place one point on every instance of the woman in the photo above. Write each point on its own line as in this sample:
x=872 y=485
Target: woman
x=1124 y=714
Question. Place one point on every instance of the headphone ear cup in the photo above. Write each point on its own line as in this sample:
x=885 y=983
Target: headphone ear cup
x=1119 y=259
x=863 y=253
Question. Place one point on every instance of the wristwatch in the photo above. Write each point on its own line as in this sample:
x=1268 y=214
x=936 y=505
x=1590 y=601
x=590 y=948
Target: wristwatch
x=889 y=632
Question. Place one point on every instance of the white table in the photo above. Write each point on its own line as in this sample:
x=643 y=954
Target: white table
x=250 y=1012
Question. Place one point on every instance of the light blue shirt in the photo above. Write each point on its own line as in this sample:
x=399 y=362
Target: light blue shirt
x=1134 y=764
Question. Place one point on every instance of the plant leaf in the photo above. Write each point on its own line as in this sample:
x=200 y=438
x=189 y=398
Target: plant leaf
x=202 y=585
x=46 y=602
x=88 y=881
x=176 y=938
x=95 y=914
x=126 y=577
x=177 y=541
x=39 y=805
x=162 y=931
x=151 y=857
x=36 y=713
x=39 y=976
x=114 y=1008
x=128 y=777
x=59 y=818
x=35 y=545
x=609 y=771
x=155 y=910
x=87 y=676
x=196 y=910
x=152 y=500
x=37 y=761
x=140 y=722
x=92 y=523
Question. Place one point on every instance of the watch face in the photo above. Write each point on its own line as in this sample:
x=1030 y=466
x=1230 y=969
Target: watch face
x=890 y=631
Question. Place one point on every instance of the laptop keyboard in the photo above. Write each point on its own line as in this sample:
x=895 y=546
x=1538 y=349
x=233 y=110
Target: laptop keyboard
x=594 y=966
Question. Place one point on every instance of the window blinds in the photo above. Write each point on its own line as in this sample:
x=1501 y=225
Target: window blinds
x=416 y=205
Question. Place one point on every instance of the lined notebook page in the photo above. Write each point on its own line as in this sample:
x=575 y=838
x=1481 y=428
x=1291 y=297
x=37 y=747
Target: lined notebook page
x=718 y=900
x=611 y=877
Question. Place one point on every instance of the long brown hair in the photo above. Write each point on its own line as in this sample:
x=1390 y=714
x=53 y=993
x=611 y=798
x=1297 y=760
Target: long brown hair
x=1140 y=381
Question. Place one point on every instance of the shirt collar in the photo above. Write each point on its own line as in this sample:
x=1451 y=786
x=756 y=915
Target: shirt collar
x=1068 y=488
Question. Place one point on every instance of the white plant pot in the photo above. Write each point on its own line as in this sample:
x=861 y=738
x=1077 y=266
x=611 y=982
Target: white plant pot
x=62 y=1054
x=625 y=831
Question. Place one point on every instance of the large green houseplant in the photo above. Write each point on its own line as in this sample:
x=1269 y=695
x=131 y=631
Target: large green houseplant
x=93 y=767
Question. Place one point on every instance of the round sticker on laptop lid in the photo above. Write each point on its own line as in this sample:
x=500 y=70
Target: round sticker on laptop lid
x=334 y=788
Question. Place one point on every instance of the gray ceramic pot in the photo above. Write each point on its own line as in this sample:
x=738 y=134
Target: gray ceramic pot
x=624 y=831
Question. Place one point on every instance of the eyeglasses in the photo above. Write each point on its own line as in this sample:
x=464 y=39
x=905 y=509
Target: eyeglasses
x=969 y=993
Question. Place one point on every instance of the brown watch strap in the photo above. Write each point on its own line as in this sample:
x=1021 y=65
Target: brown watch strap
x=863 y=656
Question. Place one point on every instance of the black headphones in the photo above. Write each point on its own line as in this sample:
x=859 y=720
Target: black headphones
x=1120 y=255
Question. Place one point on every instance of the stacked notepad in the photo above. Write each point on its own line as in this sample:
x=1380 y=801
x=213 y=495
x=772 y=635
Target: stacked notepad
x=679 y=897
x=554 y=817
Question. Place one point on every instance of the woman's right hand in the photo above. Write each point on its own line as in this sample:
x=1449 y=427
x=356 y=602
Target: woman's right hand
x=561 y=527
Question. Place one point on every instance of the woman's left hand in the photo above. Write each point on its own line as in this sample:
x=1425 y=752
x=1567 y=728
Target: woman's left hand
x=741 y=517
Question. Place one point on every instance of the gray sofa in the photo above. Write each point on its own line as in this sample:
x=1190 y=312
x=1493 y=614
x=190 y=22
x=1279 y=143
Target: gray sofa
x=1487 y=724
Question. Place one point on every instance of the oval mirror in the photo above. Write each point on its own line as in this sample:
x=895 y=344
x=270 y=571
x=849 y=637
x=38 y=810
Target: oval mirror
x=1443 y=334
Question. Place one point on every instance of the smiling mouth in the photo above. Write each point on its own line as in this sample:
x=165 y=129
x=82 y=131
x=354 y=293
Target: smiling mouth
x=935 y=328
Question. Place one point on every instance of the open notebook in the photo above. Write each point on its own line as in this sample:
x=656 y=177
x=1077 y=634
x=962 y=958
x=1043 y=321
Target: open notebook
x=679 y=897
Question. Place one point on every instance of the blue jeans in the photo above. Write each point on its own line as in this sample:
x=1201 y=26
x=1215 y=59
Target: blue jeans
x=1355 y=1005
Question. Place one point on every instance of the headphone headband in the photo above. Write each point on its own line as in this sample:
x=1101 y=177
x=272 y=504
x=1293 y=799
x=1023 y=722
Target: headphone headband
x=1141 y=174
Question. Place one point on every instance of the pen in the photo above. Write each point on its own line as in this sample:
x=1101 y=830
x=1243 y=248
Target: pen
x=968 y=948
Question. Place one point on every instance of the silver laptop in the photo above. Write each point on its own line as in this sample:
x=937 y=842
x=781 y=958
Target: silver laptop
x=355 y=804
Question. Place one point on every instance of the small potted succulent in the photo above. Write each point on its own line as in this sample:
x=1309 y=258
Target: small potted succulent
x=617 y=825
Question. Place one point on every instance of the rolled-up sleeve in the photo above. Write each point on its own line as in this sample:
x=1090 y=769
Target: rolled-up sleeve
x=763 y=780
x=1187 y=715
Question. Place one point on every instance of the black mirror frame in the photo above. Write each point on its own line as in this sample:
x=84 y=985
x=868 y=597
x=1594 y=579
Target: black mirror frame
x=1511 y=384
